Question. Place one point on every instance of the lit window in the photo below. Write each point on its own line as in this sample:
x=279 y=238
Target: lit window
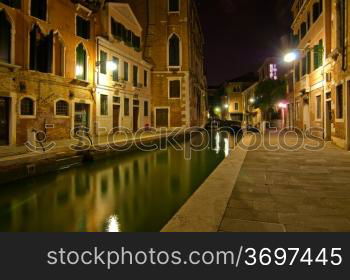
x=116 y=71
x=62 y=108
x=81 y=63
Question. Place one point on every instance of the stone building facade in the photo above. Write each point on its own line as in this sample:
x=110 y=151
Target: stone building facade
x=123 y=93
x=173 y=44
x=321 y=75
x=46 y=69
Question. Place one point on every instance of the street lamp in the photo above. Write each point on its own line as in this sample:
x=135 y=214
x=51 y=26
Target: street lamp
x=282 y=105
x=252 y=100
x=110 y=65
x=291 y=56
x=226 y=106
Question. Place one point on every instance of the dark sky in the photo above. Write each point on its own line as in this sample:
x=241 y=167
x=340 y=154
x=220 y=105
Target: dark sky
x=240 y=34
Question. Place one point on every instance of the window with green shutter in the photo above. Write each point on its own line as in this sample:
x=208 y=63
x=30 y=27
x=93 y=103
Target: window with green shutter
x=116 y=71
x=81 y=63
x=103 y=62
x=126 y=71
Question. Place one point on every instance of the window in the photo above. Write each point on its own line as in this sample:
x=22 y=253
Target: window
x=136 y=42
x=136 y=102
x=83 y=27
x=81 y=63
x=126 y=71
x=236 y=106
x=318 y=107
x=38 y=9
x=304 y=66
x=116 y=71
x=174 y=5
x=59 y=55
x=316 y=11
x=116 y=99
x=126 y=107
x=103 y=62
x=308 y=62
x=308 y=21
x=339 y=102
x=303 y=30
x=174 y=89
x=318 y=55
x=145 y=110
x=62 y=108
x=135 y=76
x=27 y=107
x=145 y=78
x=297 y=72
x=104 y=105
x=41 y=50
x=12 y=3
x=5 y=38
x=174 y=50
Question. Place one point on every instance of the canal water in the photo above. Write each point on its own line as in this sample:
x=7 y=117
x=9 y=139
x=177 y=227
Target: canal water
x=136 y=192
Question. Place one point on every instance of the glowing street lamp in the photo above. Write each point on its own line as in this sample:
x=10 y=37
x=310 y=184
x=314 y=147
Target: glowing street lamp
x=252 y=100
x=110 y=65
x=282 y=105
x=291 y=56
x=226 y=106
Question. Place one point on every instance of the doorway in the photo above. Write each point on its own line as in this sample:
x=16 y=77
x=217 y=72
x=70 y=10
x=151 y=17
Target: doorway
x=116 y=116
x=162 y=117
x=4 y=121
x=136 y=114
x=82 y=114
x=328 y=136
x=306 y=115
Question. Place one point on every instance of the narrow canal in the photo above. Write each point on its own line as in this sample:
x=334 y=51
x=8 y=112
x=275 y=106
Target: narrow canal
x=136 y=192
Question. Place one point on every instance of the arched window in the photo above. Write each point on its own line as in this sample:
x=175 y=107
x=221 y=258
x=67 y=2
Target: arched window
x=81 y=63
x=174 y=50
x=59 y=55
x=41 y=50
x=62 y=108
x=5 y=38
x=27 y=107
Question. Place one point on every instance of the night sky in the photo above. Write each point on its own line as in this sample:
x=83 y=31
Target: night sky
x=240 y=34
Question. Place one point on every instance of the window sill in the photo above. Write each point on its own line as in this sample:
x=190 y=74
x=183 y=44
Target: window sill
x=61 y=117
x=340 y=120
x=175 y=98
x=10 y=66
x=27 y=117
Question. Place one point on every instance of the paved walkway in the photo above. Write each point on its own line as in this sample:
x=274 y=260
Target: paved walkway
x=302 y=190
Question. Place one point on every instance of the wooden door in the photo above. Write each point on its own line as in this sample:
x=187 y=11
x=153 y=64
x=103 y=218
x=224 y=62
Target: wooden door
x=136 y=119
x=116 y=116
x=4 y=120
x=162 y=117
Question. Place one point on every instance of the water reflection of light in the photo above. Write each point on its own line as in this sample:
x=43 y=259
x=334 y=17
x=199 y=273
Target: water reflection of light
x=227 y=147
x=113 y=224
x=217 y=143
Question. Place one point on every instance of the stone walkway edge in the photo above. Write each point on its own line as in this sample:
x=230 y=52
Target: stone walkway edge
x=205 y=209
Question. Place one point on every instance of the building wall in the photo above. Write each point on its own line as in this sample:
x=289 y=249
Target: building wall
x=17 y=81
x=122 y=88
x=158 y=26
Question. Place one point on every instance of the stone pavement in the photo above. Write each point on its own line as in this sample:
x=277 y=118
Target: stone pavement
x=291 y=191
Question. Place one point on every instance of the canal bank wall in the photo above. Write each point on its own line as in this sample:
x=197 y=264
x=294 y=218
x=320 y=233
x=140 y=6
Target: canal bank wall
x=205 y=209
x=28 y=165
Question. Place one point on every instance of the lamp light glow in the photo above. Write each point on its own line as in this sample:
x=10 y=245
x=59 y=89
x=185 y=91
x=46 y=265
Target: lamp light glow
x=252 y=100
x=282 y=105
x=112 y=66
x=226 y=106
x=290 y=57
x=79 y=70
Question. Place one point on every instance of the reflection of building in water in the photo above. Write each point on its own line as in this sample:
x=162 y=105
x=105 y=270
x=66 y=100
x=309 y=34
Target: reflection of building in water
x=136 y=192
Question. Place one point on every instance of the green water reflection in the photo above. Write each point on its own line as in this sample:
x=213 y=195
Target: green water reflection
x=137 y=192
